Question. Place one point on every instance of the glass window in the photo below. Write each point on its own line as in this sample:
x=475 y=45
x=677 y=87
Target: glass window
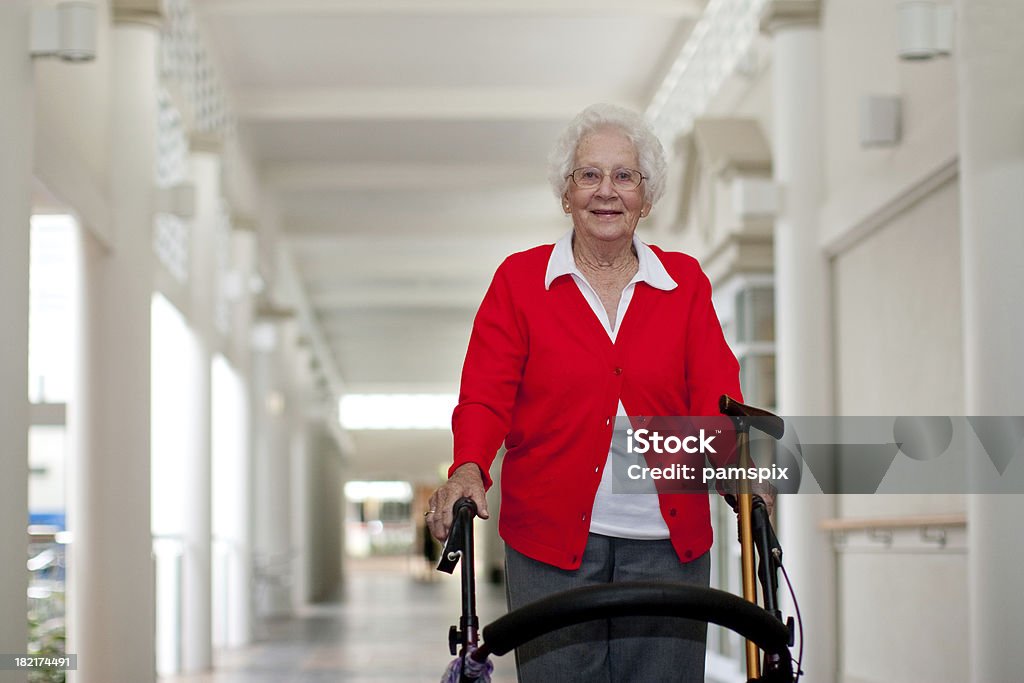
x=755 y=314
x=757 y=379
x=46 y=458
x=51 y=304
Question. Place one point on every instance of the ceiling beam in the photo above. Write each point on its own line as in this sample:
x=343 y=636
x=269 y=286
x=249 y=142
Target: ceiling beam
x=381 y=325
x=310 y=323
x=349 y=176
x=363 y=265
x=418 y=104
x=310 y=233
x=432 y=296
x=430 y=259
x=656 y=8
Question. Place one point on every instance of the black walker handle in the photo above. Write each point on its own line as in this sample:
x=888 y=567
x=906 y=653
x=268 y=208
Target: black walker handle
x=459 y=546
x=459 y=536
x=745 y=416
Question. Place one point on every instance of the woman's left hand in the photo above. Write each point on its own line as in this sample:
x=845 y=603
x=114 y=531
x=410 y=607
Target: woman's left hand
x=765 y=492
x=768 y=496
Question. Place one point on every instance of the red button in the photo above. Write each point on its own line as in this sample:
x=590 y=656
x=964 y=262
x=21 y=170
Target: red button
x=618 y=371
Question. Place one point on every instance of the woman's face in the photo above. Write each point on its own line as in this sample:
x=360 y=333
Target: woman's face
x=604 y=212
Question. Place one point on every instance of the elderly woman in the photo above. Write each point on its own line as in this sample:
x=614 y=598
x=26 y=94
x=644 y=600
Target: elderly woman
x=568 y=337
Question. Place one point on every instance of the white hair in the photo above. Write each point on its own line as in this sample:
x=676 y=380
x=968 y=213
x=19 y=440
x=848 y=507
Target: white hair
x=648 y=147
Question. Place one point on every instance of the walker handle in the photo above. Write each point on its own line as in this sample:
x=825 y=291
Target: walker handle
x=459 y=546
x=460 y=536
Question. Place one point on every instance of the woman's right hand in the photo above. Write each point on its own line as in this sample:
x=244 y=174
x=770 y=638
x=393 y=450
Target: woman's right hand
x=465 y=482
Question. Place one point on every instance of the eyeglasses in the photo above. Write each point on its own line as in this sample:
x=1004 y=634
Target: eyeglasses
x=589 y=177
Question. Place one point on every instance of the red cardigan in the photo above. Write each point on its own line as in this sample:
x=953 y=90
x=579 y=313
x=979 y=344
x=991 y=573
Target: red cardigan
x=542 y=375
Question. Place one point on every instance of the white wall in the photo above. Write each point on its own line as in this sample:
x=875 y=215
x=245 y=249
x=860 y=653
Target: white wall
x=890 y=219
x=902 y=615
x=897 y=316
x=896 y=280
x=903 y=618
x=860 y=58
x=897 y=307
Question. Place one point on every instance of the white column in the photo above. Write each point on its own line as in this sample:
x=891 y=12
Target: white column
x=326 y=506
x=112 y=594
x=16 y=112
x=239 y=285
x=230 y=508
x=304 y=422
x=243 y=246
x=271 y=499
x=302 y=444
x=197 y=636
x=988 y=56
x=293 y=381
x=802 y=313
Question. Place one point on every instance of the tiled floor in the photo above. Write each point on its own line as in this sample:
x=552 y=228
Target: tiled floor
x=388 y=628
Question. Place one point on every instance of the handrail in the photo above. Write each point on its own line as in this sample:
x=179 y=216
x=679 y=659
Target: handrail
x=901 y=522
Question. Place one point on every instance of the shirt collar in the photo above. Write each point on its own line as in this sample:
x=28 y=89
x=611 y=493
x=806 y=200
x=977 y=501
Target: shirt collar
x=651 y=270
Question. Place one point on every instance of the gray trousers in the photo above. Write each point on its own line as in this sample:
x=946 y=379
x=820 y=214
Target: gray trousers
x=622 y=650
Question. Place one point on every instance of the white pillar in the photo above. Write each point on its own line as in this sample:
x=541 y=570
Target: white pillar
x=304 y=422
x=230 y=507
x=326 y=508
x=302 y=444
x=112 y=595
x=802 y=313
x=16 y=112
x=197 y=629
x=243 y=248
x=271 y=499
x=988 y=56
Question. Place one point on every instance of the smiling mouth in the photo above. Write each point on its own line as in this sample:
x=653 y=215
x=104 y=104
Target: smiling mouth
x=605 y=212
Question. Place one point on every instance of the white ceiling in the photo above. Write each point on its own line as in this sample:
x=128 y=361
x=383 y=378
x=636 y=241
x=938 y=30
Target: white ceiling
x=405 y=144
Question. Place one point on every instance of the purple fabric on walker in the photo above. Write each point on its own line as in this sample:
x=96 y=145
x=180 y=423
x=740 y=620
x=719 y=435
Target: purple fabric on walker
x=478 y=671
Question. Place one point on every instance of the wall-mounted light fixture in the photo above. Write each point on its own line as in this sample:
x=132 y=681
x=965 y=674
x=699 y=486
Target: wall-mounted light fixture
x=267 y=319
x=67 y=31
x=879 y=121
x=274 y=403
x=926 y=29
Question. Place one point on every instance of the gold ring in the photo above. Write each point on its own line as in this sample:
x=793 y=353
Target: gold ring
x=429 y=512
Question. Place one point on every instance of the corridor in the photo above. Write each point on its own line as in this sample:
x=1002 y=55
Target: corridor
x=390 y=626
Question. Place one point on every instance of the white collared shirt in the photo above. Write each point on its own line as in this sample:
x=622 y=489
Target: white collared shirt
x=650 y=270
x=621 y=515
